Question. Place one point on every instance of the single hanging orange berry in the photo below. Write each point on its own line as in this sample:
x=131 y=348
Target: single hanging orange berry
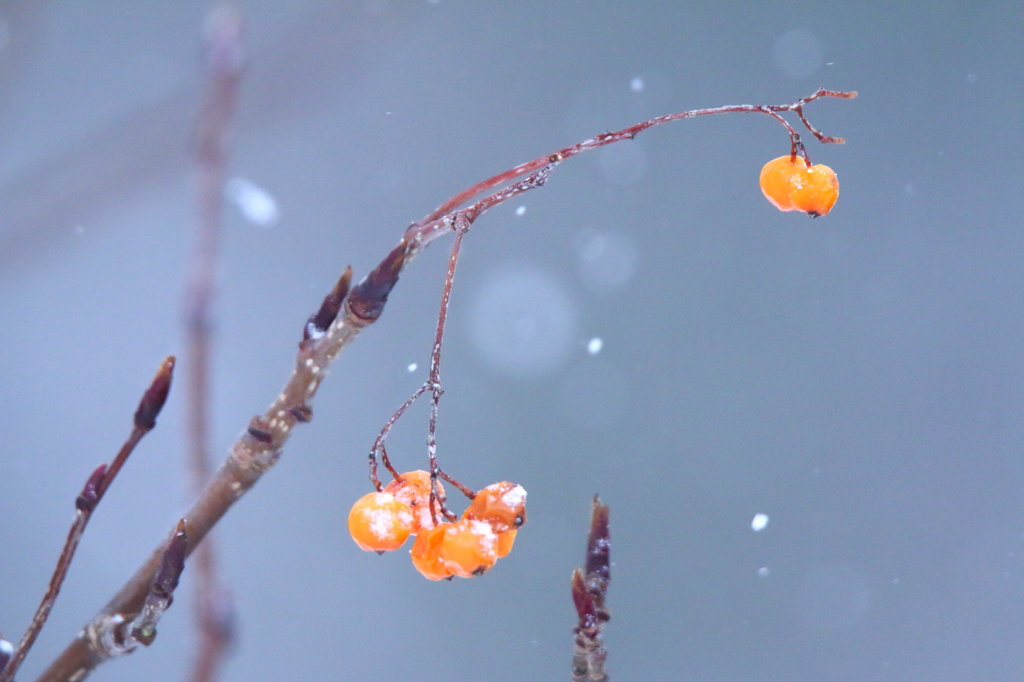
x=502 y=505
x=413 y=488
x=791 y=185
x=378 y=522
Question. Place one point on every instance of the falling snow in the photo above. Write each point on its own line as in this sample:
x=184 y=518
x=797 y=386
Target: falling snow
x=313 y=332
x=759 y=522
x=595 y=345
x=253 y=201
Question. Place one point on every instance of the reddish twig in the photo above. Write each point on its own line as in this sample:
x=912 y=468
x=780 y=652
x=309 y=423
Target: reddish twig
x=225 y=62
x=92 y=492
x=589 y=589
x=378 y=447
x=437 y=498
x=260 y=446
x=434 y=223
x=433 y=386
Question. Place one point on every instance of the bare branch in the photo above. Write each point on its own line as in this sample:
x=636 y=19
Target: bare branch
x=92 y=492
x=435 y=223
x=116 y=635
x=249 y=458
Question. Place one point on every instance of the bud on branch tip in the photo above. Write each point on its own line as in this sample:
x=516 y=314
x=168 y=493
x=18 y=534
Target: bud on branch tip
x=367 y=299
x=173 y=563
x=322 y=319
x=155 y=396
x=599 y=543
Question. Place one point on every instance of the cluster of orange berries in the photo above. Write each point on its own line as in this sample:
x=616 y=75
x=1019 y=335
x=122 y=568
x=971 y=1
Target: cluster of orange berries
x=383 y=521
x=792 y=184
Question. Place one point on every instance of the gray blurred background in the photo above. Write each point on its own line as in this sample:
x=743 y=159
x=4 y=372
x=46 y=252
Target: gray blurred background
x=646 y=327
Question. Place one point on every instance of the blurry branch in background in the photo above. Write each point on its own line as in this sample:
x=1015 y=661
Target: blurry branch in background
x=344 y=313
x=92 y=171
x=225 y=60
x=589 y=587
x=95 y=487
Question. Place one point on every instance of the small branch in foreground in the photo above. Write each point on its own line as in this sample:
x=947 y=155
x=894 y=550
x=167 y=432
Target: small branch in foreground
x=589 y=588
x=255 y=451
x=225 y=61
x=92 y=492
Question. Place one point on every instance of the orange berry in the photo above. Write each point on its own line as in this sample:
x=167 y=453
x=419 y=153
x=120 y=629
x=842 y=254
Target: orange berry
x=413 y=488
x=468 y=548
x=791 y=185
x=426 y=552
x=378 y=522
x=502 y=505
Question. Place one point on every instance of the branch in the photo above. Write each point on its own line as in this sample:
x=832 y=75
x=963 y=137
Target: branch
x=92 y=492
x=589 y=588
x=260 y=446
x=119 y=636
x=225 y=56
x=433 y=385
x=255 y=451
x=435 y=223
